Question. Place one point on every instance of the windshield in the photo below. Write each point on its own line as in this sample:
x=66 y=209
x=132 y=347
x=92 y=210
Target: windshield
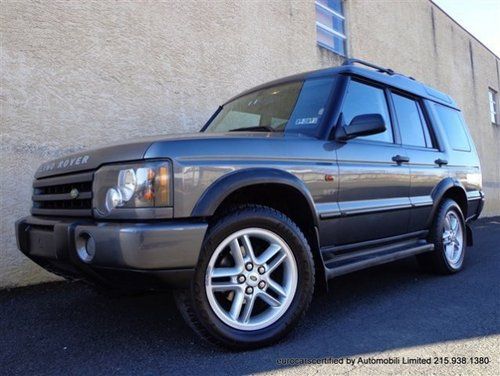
x=268 y=109
x=295 y=107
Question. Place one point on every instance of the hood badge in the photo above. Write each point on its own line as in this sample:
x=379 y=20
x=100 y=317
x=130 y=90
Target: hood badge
x=64 y=163
x=74 y=193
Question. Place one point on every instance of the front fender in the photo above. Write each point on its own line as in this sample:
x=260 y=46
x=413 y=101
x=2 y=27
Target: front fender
x=227 y=184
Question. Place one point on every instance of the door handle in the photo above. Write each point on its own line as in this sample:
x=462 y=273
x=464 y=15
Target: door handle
x=400 y=159
x=441 y=162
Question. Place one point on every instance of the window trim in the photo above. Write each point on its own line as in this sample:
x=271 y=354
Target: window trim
x=495 y=105
x=331 y=31
x=330 y=10
x=425 y=121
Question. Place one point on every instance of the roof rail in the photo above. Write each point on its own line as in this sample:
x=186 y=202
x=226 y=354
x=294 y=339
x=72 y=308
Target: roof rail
x=362 y=62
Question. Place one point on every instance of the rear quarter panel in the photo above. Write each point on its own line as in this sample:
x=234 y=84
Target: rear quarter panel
x=463 y=165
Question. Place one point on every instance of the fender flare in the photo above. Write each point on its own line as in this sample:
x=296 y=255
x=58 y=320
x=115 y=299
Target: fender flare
x=439 y=192
x=213 y=196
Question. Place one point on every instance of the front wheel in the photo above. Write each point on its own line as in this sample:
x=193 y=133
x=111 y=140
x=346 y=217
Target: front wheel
x=253 y=282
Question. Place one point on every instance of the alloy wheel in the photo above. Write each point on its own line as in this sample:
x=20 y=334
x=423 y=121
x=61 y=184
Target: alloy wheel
x=453 y=239
x=251 y=279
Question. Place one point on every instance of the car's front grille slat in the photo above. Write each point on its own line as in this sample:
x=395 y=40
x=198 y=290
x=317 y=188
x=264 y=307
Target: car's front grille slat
x=53 y=196
x=62 y=212
x=65 y=179
x=61 y=196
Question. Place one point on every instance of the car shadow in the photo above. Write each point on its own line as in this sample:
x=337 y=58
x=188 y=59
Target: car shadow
x=67 y=326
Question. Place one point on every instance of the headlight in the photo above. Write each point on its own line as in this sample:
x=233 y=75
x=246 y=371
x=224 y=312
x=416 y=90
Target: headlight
x=132 y=186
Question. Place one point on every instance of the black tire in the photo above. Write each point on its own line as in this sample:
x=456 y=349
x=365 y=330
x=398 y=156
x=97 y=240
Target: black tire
x=436 y=261
x=194 y=305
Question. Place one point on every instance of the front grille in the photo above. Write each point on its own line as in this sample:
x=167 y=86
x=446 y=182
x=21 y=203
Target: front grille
x=52 y=196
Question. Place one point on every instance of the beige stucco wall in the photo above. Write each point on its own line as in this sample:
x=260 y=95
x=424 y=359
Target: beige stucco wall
x=83 y=74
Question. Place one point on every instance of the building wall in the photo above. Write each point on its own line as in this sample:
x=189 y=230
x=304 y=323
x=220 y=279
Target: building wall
x=85 y=74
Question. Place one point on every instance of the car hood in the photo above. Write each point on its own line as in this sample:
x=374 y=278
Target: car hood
x=151 y=147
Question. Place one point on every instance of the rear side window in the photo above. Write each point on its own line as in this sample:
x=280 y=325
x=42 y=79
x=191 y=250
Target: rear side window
x=364 y=99
x=411 y=120
x=453 y=125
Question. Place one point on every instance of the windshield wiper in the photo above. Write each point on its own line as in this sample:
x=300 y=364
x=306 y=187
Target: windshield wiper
x=258 y=128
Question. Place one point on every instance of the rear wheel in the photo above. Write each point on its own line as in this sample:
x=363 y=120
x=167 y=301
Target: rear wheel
x=448 y=235
x=253 y=282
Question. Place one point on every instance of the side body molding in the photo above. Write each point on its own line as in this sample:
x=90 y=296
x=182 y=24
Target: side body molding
x=224 y=186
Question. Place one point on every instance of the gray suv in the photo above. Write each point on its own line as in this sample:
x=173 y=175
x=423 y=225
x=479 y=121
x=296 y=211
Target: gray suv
x=287 y=185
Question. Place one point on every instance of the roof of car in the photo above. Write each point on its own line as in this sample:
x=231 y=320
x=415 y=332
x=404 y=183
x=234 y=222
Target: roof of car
x=388 y=77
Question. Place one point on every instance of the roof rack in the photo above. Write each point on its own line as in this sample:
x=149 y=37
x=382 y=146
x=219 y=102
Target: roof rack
x=376 y=67
x=362 y=62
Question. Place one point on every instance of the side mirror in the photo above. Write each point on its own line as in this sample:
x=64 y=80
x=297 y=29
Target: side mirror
x=361 y=125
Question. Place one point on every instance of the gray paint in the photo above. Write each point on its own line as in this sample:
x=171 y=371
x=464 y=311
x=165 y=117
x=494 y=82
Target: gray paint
x=148 y=246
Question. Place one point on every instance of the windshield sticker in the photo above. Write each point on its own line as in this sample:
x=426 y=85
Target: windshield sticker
x=306 y=121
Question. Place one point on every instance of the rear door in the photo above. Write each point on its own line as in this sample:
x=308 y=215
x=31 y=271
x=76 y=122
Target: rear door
x=374 y=179
x=428 y=164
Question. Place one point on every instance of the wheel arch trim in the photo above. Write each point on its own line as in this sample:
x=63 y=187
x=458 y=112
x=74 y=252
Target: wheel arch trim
x=219 y=190
x=440 y=191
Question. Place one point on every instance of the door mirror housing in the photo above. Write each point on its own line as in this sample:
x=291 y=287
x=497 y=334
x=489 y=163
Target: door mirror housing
x=361 y=125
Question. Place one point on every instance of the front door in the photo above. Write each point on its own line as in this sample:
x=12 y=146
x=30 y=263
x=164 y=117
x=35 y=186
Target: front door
x=374 y=176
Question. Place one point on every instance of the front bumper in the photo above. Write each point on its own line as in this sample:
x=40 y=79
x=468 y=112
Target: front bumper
x=127 y=255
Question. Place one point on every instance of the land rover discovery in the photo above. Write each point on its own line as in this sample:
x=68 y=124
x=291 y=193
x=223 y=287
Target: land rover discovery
x=287 y=185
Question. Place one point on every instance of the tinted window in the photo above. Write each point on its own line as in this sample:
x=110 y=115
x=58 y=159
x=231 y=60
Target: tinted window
x=414 y=130
x=365 y=99
x=452 y=124
x=311 y=106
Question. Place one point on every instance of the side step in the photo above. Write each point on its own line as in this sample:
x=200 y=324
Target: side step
x=353 y=261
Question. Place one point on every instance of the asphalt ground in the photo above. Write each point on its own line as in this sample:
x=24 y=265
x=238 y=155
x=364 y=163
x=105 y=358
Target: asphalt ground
x=386 y=320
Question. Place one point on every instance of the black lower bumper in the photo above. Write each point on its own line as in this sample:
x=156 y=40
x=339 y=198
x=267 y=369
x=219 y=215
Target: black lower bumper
x=124 y=255
x=475 y=205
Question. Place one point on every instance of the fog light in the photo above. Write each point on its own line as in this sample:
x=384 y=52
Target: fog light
x=85 y=247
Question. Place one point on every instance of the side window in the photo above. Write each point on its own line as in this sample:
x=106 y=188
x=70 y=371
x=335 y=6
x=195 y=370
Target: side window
x=413 y=127
x=453 y=125
x=364 y=99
